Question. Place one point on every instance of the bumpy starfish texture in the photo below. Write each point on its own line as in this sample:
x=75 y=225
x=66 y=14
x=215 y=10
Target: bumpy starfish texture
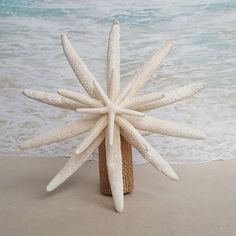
x=113 y=114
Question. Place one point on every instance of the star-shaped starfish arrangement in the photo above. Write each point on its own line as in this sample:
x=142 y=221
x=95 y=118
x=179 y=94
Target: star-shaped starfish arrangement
x=113 y=114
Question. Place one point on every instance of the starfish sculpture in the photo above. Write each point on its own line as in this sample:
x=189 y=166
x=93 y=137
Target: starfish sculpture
x=109 y=115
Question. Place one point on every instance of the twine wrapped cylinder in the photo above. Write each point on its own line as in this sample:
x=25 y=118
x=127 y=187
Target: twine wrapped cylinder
x=127 y=168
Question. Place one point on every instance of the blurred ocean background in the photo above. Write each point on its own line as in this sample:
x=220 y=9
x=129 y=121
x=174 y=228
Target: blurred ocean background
x=204 y=35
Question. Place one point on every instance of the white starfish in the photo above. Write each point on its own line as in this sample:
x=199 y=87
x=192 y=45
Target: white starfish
x=113 y=114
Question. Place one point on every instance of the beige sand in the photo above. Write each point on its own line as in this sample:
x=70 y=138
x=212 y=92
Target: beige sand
x=202 y=202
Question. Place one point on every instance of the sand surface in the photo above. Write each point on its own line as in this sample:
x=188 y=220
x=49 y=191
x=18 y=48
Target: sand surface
x=202 y=202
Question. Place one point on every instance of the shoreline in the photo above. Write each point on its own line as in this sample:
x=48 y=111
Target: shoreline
x=135 y=163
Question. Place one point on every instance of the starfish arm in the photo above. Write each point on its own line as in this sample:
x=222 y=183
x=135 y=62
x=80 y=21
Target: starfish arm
x=80 y=69
x=101 y=93
x=52 y=99
x=78 y=97
x=74 y=163
x=113 y=61
x=145 y=72
x=58 y=134
x=110 y=128
x=130 y=131
x=114 y=169
x=165 y=127
x=123 y=94
x=97 y=111
x=129 y=112
x=148 y=152
x=173 y=96
x=114 y=85
x=156 y=160
x=98 y=127
x=133 y=102
x=145 y=133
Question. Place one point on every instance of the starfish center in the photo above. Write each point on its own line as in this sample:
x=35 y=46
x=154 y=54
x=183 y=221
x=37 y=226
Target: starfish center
x=112 y=108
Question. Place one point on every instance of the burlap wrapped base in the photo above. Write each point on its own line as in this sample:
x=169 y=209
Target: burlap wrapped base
x=127 y=168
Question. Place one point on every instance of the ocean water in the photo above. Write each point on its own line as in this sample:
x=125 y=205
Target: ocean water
x=204 y=35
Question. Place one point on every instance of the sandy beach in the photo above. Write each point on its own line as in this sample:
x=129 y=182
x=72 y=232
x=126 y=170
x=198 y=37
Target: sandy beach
x=202 y=202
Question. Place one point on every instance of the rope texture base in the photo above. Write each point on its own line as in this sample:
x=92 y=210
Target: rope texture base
x=127 y=168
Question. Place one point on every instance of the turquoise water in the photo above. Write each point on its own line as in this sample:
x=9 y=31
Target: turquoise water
x=204 y=35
